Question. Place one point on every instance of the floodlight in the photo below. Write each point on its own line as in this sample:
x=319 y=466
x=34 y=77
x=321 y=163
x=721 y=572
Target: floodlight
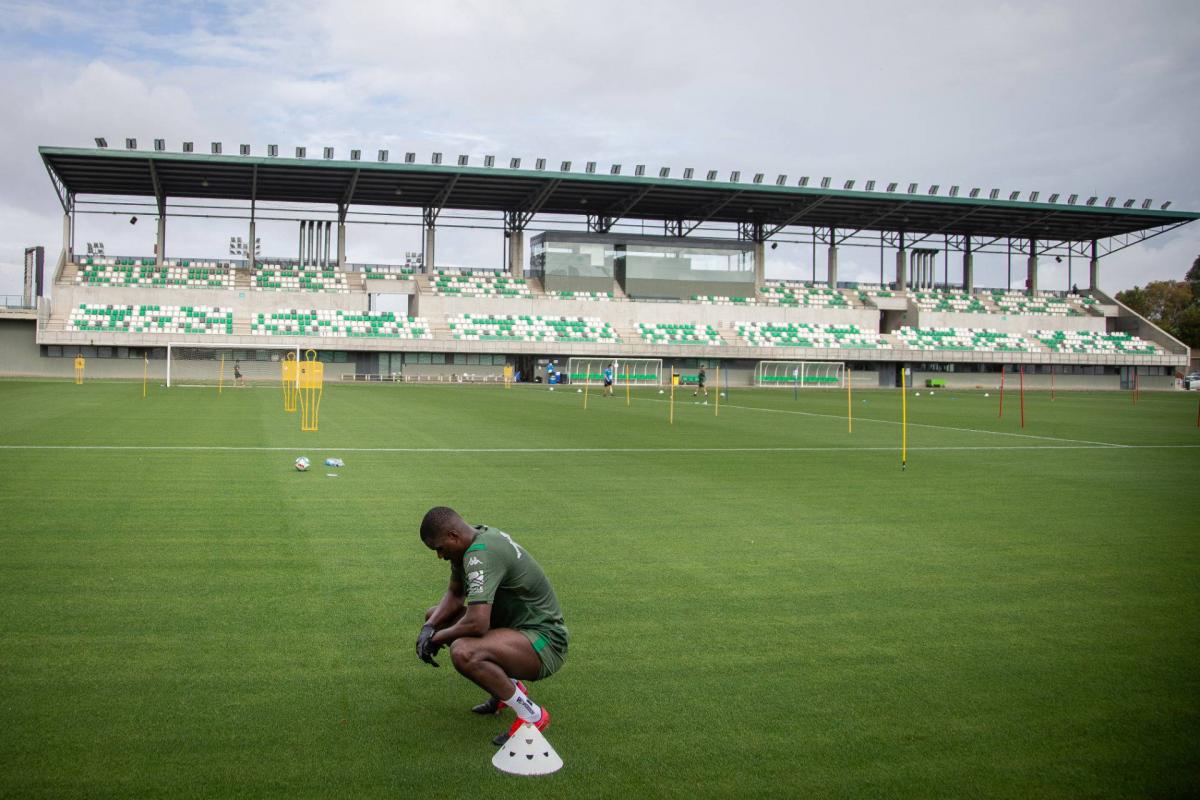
x=688 y=172
x=133 y=220
x=1014 y=195
x=1147 y=203
x=804 y=181
x=712 y=175
x=514 y=163
x=130 y=144
x=934 y=188
x=758 y=177
x=1033 y=196
x=565 y=166
x=994 y=194
x=1071 y=199
x=973 y=193
x=464 y=160
x=912 y=188
x=891 y=187
x=1109 y=202
x=328 y=153
x=187 y=147
x=489 y=161
x=781 y=180
x=356 y=155
x=1165 y=206
x=436 y=158
x=540 y=164
x=383 y=155
x=664 y=172
x=590 y=168
x=244 y=149
x=101 y=141
x=410 y=158
x=735 y=176
x=639 y=170
x=615 y=169
x=848 y=185
x=301 y=151
x=954 y=191
x=216 y=148
x=1091 y=201
x=1129 y=203
x=160 y=145
x=870 y=187
x=1054 y=197
x=825 y=182
x=272 y=150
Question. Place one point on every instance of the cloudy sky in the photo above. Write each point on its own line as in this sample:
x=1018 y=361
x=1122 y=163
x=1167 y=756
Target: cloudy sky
x=1093 y=97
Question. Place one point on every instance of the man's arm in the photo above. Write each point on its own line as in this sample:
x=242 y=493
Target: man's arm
x=449 y=605
x=475 y=622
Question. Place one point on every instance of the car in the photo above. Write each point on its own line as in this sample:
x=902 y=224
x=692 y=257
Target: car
x=1191 y=380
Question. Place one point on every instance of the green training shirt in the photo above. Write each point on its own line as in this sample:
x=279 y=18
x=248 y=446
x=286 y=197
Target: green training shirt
x=497 y=570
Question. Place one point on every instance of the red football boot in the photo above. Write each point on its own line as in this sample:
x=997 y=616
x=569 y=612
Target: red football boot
x=541 y=725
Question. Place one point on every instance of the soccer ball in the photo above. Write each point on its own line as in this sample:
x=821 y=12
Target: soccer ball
x=986 y=394
x=302 y=464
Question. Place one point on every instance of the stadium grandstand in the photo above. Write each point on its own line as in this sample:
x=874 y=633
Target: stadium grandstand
x=696 y=293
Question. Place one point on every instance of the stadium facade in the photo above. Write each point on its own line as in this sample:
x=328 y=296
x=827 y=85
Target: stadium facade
x=686 y=285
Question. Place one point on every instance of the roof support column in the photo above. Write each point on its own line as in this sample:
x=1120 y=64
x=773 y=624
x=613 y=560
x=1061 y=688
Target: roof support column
x=160 y=239
x=68 y=255
x=901 y=257
x=1031 y=282
x=252 y=249
x=831 y=260
x=514 y=239
x=1094 y=269
x=968 y=267
x=341 y=236
x=429 y=218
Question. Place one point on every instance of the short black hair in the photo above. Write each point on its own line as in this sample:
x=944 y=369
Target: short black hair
x=437 y=520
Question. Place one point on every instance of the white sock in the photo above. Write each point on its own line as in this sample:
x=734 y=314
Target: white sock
x=526 y=709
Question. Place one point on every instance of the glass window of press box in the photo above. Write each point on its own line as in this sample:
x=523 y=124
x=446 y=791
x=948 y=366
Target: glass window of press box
x=650 y=267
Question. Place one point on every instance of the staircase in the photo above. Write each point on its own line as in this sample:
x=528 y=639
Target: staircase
x=69 y=273
x=241 y=279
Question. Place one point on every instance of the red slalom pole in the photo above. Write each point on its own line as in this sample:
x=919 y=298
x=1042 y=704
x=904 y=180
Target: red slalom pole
x=1135 y=386
x=1022 y=395
x=1001 y=391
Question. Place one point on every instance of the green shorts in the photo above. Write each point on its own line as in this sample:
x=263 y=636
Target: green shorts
x=550 y=644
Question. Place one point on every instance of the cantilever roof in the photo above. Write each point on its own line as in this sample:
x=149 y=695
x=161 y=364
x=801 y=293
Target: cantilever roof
x=87 y=171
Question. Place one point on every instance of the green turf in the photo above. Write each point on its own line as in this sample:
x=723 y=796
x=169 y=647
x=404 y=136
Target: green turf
x=1011 y=616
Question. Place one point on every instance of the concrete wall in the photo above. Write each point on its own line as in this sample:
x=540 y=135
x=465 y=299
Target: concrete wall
x=244 y=302
x=1015 y=323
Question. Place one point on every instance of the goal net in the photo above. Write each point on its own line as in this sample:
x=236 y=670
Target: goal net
x=634 y=371
x=801 y=374
x=191 y=364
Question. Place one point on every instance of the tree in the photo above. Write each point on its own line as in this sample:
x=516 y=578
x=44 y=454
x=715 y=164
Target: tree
x=1135 y=298
x=1161 y=302
x=1193 y=277
x=1189 y=326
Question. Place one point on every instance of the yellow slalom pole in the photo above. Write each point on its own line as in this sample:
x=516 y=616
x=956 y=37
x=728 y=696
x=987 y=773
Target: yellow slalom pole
x=221 y=375
x=849 y=401
x=903 y=420
x=145 y=373
x=671 y=418
x=717 y=410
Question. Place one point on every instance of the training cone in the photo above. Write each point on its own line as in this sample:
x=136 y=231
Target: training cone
x=527 y=753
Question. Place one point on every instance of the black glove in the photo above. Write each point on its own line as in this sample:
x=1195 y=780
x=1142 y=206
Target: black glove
x=426 y=649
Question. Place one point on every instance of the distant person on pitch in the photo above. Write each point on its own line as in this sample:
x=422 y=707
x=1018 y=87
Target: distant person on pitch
x=237 y=374
x=700 y=387
x=499 y=616
x=608 y=381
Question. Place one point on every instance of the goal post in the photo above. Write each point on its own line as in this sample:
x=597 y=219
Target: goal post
x=634 y=371
x=801 y=374
x=195 y=364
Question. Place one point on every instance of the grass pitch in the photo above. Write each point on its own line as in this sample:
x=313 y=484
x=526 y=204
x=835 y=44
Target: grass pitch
x=761 y=604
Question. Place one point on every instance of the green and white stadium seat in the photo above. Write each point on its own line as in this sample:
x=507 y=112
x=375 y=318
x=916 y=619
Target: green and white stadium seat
x=963 y=339
x=566 y=295
x=151 y=319
x=526 y=328
x=378 y=273
x=808 y=334
x=1094 y=342
x=456 y=283
x=145 y=273
x=292 y=278
x=867 y=291
x=340 y=324
x=792 y=293
x=944 y=300
x=723 y=300
x=679 y=333
x=1019 y=303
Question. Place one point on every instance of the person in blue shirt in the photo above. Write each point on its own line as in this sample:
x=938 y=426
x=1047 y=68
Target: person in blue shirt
x=608 y=381
x=551 y=374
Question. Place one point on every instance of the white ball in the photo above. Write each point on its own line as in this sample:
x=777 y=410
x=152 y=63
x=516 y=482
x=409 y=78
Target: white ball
x=986 y=394
x=931 y=394
x=579 y=391
x=302 y=464
x=918 y=394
